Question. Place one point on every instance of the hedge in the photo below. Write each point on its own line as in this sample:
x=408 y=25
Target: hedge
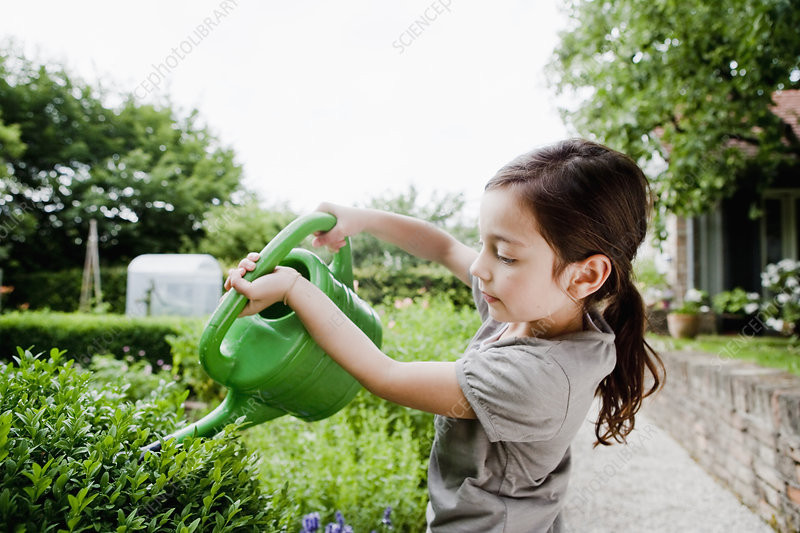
x=70 y=460
x=381 y=285
x=83 y=335
x=60 y=291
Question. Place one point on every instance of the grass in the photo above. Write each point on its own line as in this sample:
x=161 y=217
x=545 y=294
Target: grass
x=774 y=352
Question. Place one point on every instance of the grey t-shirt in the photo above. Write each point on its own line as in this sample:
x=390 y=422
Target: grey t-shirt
x=508 y=470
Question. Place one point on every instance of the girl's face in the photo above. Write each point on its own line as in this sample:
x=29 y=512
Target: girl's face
x=515 y=271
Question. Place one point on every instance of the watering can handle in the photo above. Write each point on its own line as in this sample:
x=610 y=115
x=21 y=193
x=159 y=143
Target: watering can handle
x=289 y=237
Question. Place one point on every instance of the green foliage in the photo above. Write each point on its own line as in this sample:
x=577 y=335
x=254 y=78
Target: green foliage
x=61 y=290
x=652 y=283
x=358 y=462
x=773 y=352
x=687 y=81
x=139 y=377
x=84 y=335
x=69 y=461
x=230 y=231
x=736 y=302
x=694 y=301
x=377 y=284
x=144 y=173
x=184 y=344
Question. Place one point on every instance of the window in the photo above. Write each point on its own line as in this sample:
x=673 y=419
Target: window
x=780 y=227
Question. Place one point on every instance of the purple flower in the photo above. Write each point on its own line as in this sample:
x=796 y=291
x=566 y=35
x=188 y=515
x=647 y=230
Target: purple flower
x=386 y=520
x=347 y=529
x=310 y=523
x=333 y=528
x=340 y=519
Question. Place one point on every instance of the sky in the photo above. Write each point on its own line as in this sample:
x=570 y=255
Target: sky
x=325 y=101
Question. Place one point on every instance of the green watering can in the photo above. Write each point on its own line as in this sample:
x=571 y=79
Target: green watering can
x=268 y=361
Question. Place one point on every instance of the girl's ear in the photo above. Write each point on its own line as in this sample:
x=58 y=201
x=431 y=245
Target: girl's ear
x=589 y=275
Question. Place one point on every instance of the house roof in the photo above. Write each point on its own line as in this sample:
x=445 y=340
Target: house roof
x=787 y=107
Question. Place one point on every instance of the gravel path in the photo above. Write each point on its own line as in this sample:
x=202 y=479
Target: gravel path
x=651 y=484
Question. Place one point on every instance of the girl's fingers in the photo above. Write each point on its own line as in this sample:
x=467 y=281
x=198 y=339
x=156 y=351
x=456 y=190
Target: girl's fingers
x=247 y=263
x=328 y=240
x=238 y=282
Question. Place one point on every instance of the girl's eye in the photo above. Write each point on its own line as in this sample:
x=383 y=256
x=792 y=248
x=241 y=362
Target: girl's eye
x=505 y=260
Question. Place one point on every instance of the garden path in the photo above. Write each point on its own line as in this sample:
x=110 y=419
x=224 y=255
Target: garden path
x=651 y=484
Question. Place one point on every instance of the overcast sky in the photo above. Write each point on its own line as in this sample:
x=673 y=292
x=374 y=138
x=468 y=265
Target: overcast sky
x=334 y=101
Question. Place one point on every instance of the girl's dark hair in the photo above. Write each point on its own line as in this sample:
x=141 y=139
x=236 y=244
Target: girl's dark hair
x=588 y=199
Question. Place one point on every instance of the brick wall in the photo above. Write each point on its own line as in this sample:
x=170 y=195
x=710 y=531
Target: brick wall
x=741 y=423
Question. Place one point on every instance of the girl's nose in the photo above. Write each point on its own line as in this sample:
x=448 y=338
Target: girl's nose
x=478 y=269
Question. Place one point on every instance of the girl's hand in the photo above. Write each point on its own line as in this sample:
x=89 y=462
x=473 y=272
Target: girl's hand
x=348 y=222
x=264 y=291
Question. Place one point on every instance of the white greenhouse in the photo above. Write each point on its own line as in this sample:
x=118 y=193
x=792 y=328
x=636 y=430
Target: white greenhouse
x=173 y=284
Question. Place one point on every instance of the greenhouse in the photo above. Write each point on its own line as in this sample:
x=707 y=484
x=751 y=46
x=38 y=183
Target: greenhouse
x=173 y=284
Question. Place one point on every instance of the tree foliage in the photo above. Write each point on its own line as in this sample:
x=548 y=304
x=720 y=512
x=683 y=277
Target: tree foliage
x=687 y=81
x=144 y=173
x=231 y=231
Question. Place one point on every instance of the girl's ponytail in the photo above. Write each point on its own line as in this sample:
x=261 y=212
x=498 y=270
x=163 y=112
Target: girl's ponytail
x=621 y=392
x=603 y=198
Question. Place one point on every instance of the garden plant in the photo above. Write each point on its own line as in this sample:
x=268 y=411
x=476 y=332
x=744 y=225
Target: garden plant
x=70 y=436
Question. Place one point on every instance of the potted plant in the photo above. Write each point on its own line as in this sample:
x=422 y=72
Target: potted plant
x=735 y=308
x=683 y=321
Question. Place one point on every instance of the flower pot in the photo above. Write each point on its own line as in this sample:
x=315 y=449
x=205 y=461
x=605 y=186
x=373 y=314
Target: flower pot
x=683 y=326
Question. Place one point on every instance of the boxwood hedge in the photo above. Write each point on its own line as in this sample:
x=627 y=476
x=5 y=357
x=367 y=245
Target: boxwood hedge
x=84 y=335
x=70 y=460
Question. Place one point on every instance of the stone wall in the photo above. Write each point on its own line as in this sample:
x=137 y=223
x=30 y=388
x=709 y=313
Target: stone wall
x=741 y=423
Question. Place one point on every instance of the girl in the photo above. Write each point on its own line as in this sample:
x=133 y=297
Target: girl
x=562 y=323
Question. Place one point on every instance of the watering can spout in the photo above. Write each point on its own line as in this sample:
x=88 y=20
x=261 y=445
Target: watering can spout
x=233 y=407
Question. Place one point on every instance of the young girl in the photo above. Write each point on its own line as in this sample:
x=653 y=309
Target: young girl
x=562 y=323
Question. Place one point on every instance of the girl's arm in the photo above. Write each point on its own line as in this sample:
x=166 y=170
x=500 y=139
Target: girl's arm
x=427 y=386
x=415 y=236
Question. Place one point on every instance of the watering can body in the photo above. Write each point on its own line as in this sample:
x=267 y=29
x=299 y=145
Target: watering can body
x=268 y=361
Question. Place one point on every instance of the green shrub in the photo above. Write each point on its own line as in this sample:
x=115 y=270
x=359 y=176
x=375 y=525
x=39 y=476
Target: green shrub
x=358 y=462
x=84 y=335
x=61 y=290
x=377 y=284
x=184 y=344
x=139 y=378
x=736 y=302
x=69 y=461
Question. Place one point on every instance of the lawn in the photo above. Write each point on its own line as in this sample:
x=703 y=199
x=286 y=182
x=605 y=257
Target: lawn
x=775 y=352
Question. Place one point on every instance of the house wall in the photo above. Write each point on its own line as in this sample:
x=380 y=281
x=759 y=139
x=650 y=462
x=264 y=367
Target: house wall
x=741 y=423
x=677 y=251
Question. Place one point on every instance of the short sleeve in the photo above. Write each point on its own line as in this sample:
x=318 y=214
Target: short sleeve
x=519 y=394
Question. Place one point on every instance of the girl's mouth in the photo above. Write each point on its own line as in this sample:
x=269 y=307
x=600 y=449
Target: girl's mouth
x=489 y=299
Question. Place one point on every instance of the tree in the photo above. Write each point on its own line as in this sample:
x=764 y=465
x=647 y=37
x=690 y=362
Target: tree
x=686 y=81
x=230 y=231
x=146 y=175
